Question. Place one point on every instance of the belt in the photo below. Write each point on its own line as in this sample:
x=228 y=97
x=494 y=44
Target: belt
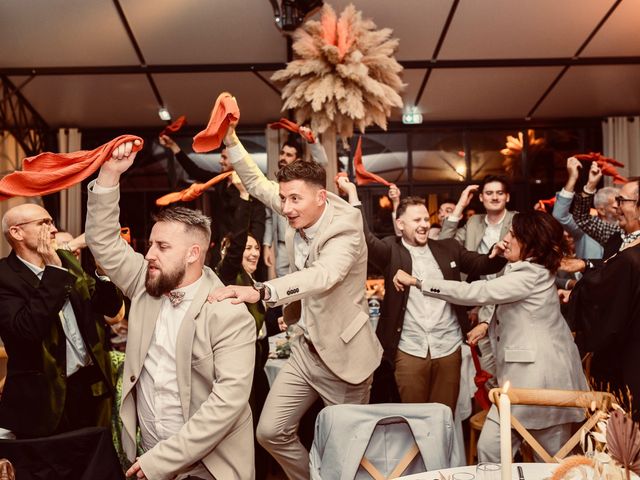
x=310 y=345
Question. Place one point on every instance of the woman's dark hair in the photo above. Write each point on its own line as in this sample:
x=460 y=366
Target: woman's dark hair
x=541 y=237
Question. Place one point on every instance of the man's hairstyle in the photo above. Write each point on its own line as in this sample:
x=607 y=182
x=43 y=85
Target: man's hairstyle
x=495 y=178
x=601 y=198
x=295 y=143
x=310 y=172
x=406 y=202
x=193 y=220
x=541 y=237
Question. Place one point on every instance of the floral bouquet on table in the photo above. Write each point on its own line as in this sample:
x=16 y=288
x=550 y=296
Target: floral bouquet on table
x=611 y=451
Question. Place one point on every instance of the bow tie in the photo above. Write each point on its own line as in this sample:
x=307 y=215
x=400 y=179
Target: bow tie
x=175 y=297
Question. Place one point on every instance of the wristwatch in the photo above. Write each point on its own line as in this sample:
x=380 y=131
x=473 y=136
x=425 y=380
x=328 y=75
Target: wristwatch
x=260 y=288
x=419 y=284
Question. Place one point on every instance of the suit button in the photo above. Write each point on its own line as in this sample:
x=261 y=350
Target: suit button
x=132 y=378
x=399 y=330
x=498 y=338
x=62 y=375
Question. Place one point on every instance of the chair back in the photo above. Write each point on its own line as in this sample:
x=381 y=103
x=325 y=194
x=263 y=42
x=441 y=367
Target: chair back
x=383 y=441
x=595 y=404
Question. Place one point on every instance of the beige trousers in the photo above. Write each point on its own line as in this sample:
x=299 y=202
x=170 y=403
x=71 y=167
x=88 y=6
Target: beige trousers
x=301 y=381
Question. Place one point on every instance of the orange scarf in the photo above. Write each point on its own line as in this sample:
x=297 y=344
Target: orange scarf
x=607 y=165
x=292 y=127
x=175 y=126
x=51 y=172
x=224 y=112
x=362 y=176
x=192 y=192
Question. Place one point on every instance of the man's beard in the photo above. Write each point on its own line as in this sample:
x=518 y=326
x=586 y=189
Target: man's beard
x=164 y=282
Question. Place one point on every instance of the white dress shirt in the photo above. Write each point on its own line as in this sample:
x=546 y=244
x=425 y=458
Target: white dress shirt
x=158 y=399
x=430 y=324
x=77 y=356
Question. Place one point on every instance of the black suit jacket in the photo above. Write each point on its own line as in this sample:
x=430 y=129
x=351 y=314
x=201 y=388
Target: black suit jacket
x=34 y=393
x=389 y=255
x=605 y=308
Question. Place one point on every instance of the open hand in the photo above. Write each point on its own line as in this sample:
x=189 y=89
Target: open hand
x=46 y=246
x=136 y=470
x=238 y=294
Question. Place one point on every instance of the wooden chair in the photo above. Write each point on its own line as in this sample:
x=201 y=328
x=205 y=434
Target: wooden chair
x=594 y=403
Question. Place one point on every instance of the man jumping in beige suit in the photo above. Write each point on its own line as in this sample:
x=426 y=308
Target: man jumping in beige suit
x=337 y=351
x=189 y=363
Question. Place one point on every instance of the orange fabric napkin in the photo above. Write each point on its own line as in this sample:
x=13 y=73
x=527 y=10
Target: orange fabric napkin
x=225 y=110
x=192 y=192
x=362 y=176
x=51 y=172
x=175 y=126
x=292 y=127
x=607 y=165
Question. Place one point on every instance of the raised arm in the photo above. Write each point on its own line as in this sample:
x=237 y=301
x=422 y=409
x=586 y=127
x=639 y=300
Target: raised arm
x=120 y=262
x=450 y=225
x=257 y=184
x=379 y=251
x=194 y=171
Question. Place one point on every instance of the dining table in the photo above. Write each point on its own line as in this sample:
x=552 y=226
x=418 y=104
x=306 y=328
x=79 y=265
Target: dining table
x=530 y=471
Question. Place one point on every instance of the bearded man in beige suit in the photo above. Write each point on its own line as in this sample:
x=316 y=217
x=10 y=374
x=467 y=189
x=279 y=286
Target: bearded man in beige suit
x=189 y=362
x=337 y=350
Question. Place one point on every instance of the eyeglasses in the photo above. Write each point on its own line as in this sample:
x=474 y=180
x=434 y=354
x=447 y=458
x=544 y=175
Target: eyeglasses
x=620 y=199
x=41 y=221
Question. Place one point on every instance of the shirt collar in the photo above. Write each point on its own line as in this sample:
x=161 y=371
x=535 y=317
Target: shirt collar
x=34 y=268
x=191 y=289
x=486 y=219
x=311 y=231
x=415 y=249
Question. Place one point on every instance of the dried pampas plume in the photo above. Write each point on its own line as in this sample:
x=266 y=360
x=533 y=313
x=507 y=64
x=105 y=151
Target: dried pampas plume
x=345 y=74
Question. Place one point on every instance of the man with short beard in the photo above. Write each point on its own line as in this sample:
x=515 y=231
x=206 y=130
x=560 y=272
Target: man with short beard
x=189 y=364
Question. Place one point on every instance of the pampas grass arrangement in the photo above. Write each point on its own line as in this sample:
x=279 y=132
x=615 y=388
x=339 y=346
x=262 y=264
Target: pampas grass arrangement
x=345 y=74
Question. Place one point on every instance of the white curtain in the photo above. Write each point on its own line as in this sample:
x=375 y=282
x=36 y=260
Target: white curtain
x=621 y=140
x=69 y=140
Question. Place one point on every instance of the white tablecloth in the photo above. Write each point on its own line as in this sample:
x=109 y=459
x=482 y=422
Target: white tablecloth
x=532 y=471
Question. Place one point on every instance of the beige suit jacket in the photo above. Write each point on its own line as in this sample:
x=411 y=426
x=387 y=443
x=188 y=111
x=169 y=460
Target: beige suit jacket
x=470 y=235
x=215 y=357
x=332 y=285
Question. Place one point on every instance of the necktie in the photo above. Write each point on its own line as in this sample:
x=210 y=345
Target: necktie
x=175 y=297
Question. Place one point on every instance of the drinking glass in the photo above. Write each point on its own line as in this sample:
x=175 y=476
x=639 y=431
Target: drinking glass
x=488 y=471
x=462 y=476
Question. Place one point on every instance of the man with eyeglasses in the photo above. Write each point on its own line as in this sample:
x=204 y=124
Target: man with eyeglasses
x=58 y=374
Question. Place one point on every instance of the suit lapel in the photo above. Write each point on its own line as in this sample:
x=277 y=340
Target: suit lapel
x=184 y=342
x=149 y=318
x=326 y=220
x=22 y=270
x=288 y=239
x=442 y=259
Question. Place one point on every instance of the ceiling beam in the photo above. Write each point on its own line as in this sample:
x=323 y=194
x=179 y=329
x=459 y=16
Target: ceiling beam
x=436 y=50
x=566 y=67
x=267 y=67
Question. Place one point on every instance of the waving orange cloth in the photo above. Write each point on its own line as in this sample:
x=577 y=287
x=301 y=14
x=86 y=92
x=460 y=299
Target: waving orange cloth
x=607 y=165
x=51 y=172
x=192 y=192
x=175 y=126
x=362 y=176
x=224 y=111
x=292 y=127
